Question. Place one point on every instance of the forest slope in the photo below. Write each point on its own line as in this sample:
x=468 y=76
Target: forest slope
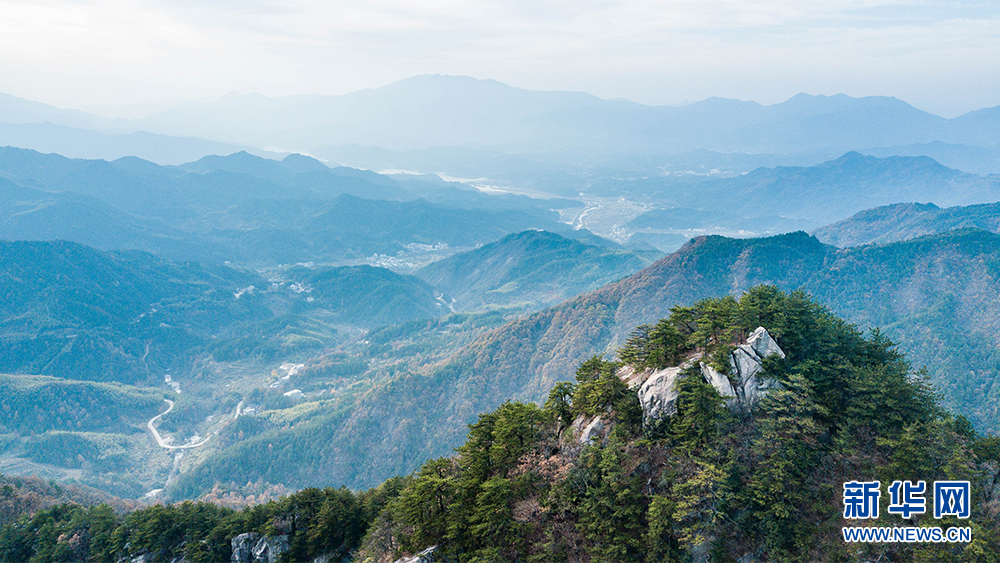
x=536 y=268
x=936 y=295
x=933 y=293
x=127 y=316
x=903 y=221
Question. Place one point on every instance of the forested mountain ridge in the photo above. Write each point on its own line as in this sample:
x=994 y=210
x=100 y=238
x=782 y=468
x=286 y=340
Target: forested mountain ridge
x=526 y=357
x=536 y=268
x=126 y=316
x=76 y=312
x=924 y=293
x=536 y=351
x=704 y=482
x=597 y=475
x=903 y=221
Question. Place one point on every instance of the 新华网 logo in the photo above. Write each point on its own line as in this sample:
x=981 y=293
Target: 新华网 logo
x=907 y=499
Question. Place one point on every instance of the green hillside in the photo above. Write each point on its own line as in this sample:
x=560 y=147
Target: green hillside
x=367 y=296
x=906 y=221
x=74 y=312
x=83 y=432
x=33 y=404
x=532 y=268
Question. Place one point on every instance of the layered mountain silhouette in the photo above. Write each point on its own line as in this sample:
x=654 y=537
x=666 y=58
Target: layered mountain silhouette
x=427 y=111
x=457 y=111
x=786 y=198
x=246 y=209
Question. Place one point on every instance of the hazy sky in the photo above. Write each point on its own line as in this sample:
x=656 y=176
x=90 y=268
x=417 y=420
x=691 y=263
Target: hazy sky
x=942 y=56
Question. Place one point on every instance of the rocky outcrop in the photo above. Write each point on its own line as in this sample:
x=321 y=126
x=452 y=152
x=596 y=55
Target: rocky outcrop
x=658 y=395
x=746 y=366
x=252 y=548
x=743 y=388
x=425 y=556
x=592 y=432
x=243 y=547
x=589 y=430
x=633 y=377
x=719 y=381
x=269 y=550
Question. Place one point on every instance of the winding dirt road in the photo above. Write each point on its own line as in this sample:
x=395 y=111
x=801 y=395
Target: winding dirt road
x=159 y=439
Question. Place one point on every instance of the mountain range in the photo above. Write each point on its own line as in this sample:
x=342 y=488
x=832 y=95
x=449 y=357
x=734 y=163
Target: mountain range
x=246 y=209
x=430 y=111
x=934 y=295
x=904 y=221
x=426 y=111
x=782 y=199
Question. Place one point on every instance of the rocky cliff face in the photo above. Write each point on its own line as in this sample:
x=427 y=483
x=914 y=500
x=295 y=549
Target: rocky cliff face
x=252 y=548
x=746 y=366
x=425 y=556
x=658 y=394
x=743 y=388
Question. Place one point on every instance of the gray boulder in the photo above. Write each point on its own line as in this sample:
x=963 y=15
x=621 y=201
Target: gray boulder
x=593 y=432
x=243 y=545
x=588 y=430
x=269 y=550
x=252 y=548
x=425 y=556
x=746 y=366
x=762 y=343
x=719 y=381
x=658 y=395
